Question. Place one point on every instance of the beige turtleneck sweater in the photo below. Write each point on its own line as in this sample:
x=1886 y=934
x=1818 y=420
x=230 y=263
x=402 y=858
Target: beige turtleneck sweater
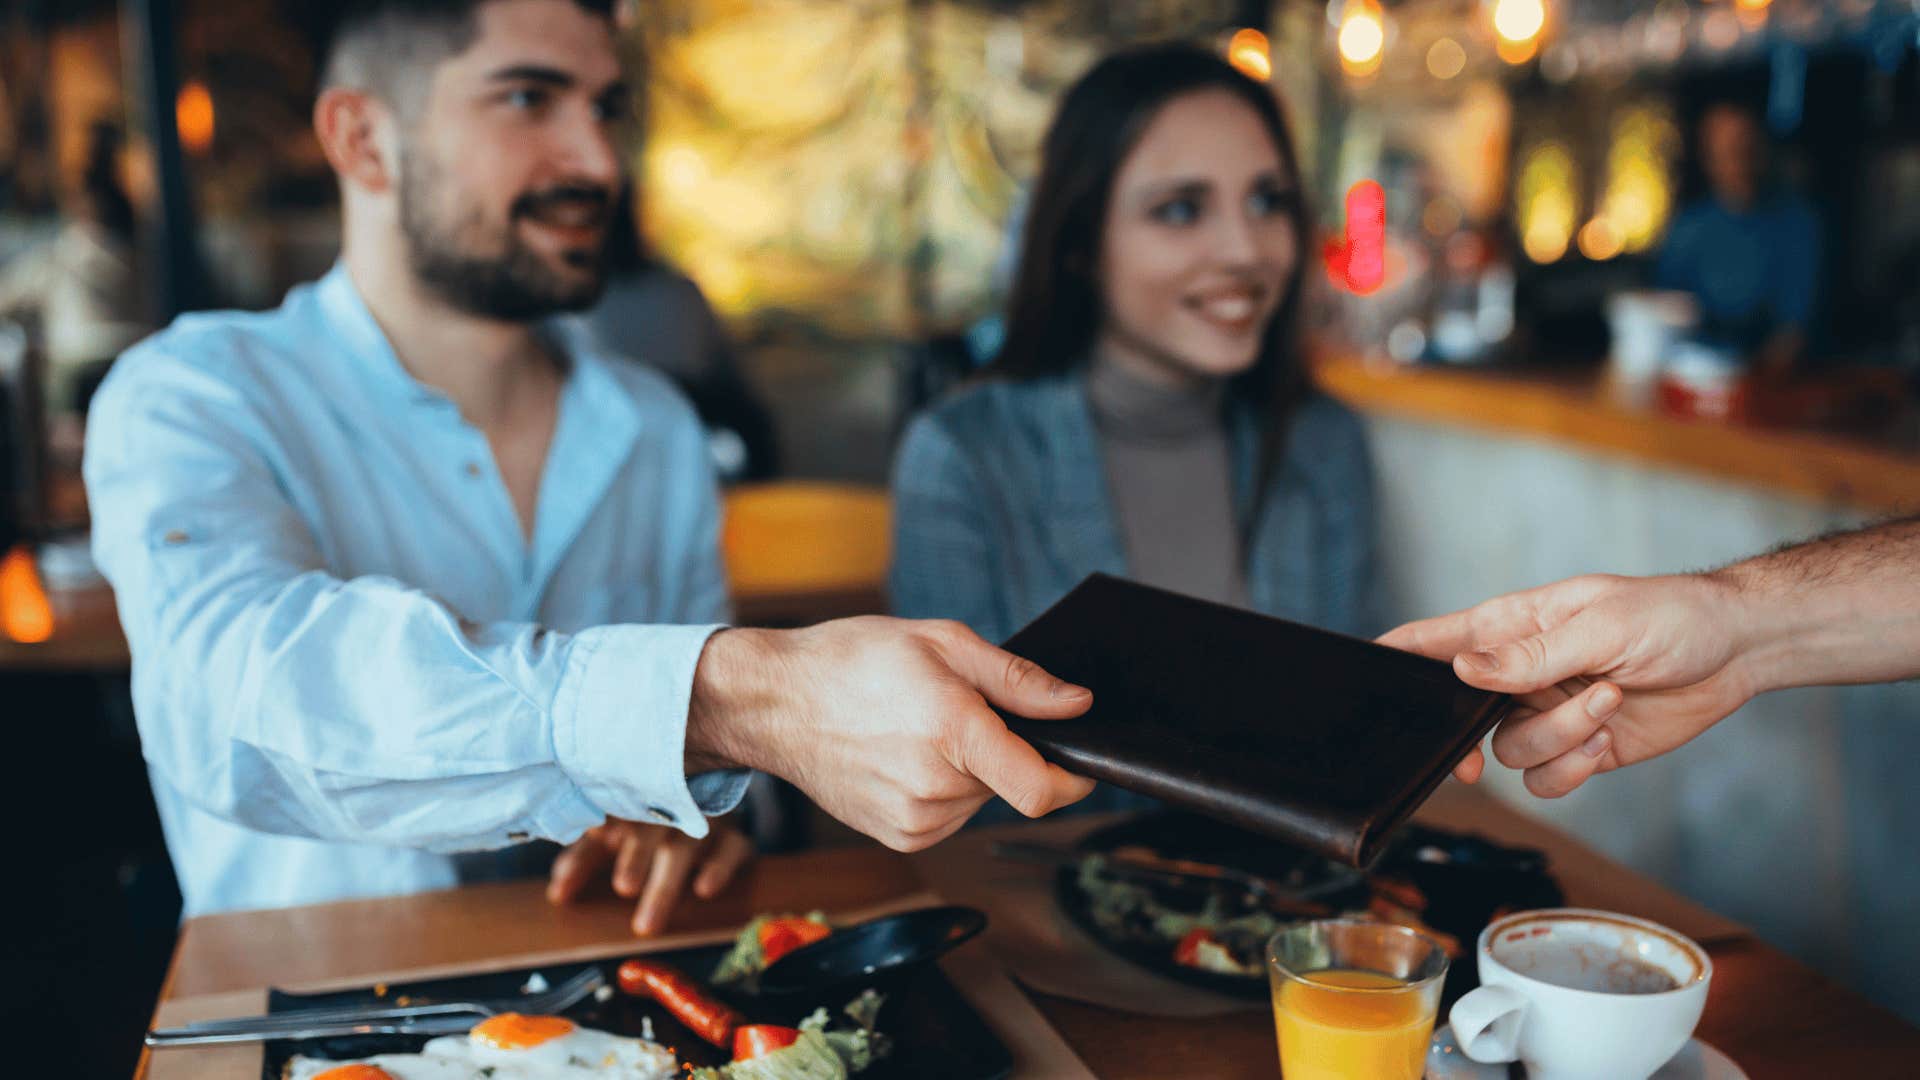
x=1169 y=472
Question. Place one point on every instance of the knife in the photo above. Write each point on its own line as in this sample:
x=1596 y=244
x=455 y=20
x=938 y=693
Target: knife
x=425 y=1025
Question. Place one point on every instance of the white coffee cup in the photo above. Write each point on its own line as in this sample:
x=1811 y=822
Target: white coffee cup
x=1645 y=326
x=1582 y=995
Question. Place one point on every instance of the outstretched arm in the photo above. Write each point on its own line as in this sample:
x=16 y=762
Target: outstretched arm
x=1615 y=670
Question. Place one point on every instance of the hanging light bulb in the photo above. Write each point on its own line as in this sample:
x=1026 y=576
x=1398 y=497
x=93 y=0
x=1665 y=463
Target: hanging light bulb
x=1250 y=52
x=1517 y=24
x=1519 y=20
x=193 y=117
x=1363 y=37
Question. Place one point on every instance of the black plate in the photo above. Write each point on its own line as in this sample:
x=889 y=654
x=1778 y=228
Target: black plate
x=875 y=953
x=1465 y=879
x=935 y=1033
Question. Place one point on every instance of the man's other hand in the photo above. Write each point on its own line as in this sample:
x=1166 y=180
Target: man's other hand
x=652 y=863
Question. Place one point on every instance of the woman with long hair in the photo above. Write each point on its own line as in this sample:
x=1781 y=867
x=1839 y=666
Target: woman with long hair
x=1148 y=415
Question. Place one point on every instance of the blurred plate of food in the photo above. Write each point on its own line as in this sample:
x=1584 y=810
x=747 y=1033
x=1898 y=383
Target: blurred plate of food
x=1210 y=929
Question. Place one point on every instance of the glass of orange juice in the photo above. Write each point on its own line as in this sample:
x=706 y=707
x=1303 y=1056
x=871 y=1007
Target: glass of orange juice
x=1354 y=1000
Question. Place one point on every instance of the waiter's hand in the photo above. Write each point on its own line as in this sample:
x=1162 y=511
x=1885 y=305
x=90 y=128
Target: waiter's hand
x=651 y=862
x=1608 y=671
x=883 y=722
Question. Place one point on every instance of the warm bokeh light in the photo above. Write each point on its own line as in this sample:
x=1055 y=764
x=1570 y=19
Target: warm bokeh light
x=193 y=116
x=681 y=168
x=1517 y=52
x=1720 y=30
x=1637 y=198
x=1544 y=243
x=1546 y=202
x=1752 y=12
x=25 y=614
x=1251 y=54
x=1441 y=218
x=1446 y=58
x=1519 y=20
x=1358 y=260
x=1366 y=236
x=1363 y=37
x=1599 y=240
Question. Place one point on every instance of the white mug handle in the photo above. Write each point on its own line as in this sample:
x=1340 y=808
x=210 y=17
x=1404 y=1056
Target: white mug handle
x=1486 y=1023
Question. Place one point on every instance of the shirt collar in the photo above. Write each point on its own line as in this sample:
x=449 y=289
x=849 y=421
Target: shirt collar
x=596 y=395
x=366 y=345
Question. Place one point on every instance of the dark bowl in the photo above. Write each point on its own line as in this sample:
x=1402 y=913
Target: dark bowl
x=873 y=954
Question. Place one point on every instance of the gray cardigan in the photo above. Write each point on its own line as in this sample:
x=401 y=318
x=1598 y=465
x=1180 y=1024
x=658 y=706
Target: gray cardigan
x=1001 y=506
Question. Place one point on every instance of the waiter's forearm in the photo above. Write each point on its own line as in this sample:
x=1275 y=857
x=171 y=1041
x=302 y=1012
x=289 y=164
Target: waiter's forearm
x=1841 y=609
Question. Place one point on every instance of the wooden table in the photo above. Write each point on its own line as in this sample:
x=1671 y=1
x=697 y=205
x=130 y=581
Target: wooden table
x=1771 y=1014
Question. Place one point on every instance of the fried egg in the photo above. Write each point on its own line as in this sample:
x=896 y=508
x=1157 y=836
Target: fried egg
x=508 y=1047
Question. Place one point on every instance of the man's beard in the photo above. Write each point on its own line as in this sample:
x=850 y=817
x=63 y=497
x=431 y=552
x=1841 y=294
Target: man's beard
x=515 y=284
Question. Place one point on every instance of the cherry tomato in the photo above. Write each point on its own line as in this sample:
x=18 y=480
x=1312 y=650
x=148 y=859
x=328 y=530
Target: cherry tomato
x=778 y=937
x=1188 y=951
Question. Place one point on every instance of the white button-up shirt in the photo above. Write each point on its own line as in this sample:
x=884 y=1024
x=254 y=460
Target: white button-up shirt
x=348 y=661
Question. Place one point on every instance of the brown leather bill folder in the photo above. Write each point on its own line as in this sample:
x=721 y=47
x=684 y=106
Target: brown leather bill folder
x=1318 y=739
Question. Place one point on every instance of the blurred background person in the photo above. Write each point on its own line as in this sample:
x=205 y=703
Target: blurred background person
x=653 y=313
x=82 y=291
x=1147 y=415
x=1748 y=250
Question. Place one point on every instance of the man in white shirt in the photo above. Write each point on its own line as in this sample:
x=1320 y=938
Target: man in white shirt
x=407 y=574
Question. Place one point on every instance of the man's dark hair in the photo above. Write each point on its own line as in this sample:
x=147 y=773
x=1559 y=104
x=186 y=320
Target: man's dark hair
x=385 y=45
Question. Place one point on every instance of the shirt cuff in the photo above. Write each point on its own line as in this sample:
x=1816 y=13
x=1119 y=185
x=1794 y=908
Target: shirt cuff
x=717 y=793
x=620 y=726
x=562 y=819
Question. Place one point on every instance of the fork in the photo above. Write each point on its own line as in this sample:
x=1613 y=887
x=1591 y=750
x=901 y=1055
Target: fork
x=436 y=1018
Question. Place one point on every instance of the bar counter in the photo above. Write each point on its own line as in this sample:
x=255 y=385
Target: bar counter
x=1877 y=474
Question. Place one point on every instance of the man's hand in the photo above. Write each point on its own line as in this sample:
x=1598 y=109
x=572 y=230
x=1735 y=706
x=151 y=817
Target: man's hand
x=883 y=722
x=1608 y=671
x=651 y=862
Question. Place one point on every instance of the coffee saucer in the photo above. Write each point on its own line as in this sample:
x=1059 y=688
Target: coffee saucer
x=1695 y=1061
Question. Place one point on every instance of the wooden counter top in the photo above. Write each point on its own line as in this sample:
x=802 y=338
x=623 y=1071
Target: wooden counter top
x=1577 y=411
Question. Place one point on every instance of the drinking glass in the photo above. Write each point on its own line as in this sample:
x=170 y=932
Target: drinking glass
x=1354 y=1000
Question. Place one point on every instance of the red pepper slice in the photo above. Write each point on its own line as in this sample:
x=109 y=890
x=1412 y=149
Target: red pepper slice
x=778 y=937
x=753 y=1040
x=1188 y=951
x=681 y=996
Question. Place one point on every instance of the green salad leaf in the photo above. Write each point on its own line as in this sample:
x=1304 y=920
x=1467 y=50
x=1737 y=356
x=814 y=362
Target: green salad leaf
x=745 y=960
x=818 y=1054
